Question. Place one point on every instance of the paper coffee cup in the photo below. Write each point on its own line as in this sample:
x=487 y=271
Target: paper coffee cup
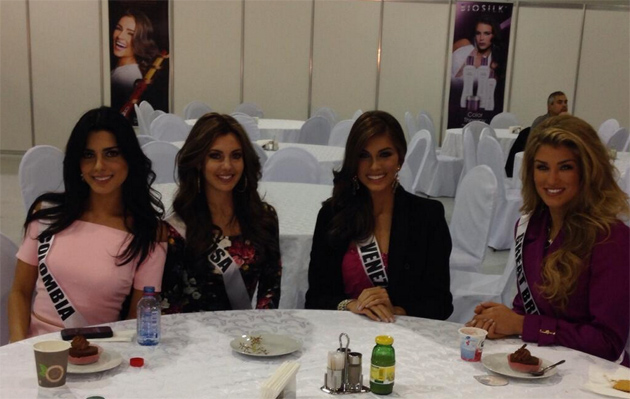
x=51 y=362
x=471 y=343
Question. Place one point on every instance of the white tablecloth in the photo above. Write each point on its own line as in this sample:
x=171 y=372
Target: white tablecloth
x=194 y=360
x=453 y=144
x=297 y=206
x=329 y=157
x=283 y=130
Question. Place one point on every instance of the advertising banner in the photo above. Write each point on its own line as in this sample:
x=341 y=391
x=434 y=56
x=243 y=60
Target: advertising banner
x=139 y=52
x=479 y=61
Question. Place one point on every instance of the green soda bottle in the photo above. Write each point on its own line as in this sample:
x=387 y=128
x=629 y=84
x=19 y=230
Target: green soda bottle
x=382 y=369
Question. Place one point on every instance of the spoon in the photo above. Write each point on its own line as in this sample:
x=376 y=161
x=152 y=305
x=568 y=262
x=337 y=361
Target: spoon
x=543 y=371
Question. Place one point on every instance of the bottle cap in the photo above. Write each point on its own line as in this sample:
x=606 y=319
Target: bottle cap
x=149 y=289
x=384 y=340
x=136 y=362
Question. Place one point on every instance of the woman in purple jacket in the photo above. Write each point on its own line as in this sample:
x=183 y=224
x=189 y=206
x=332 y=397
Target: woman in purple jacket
x=572 y=251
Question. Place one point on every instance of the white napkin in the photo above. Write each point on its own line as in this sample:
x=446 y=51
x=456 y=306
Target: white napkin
x=601 y=380
x=119 y=336
x=282 y=381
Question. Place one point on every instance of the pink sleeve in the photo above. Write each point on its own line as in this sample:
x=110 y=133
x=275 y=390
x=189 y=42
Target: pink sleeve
x=28 y=250
x=149 y=273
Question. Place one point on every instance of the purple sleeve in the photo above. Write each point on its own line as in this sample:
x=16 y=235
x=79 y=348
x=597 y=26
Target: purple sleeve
x=606 y=333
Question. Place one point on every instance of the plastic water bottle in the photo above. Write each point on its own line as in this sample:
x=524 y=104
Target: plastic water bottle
x=149 y=318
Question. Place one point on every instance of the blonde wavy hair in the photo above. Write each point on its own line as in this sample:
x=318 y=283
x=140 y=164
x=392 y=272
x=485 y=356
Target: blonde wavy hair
x=594 y=209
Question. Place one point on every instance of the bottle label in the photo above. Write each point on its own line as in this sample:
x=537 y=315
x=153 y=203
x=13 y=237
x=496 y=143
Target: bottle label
x=382 y=375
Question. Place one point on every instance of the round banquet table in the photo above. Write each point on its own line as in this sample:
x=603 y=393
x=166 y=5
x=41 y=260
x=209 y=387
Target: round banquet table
x=283 y=130
x=194 y=360
x=297 y=205
x=453 y=144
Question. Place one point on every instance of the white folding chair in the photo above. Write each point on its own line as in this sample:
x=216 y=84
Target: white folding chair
x=607 y=128
x=488 y=131
x=316 y=130
x=196 y=109
x=292 y=164
x=327 y=113
x=249 y=125
x=357 y=114
x=472 y=217
x=427 y=114
x=412 y=124
x=509 y=200
x=153 y=116
x=250 y=109
x=504 y=120
x=425 y=122
x=40 y=171
x=170 y=127
x=416 y=152
x=339 y=134
x=476 y=127
x=469 y=289
x=618 y=139
x=162 y=155
x=143 y=125
x=146 y=109
x=143 y=139
x=8 y=261
x=262 y=155
x=470 y=152
x=405 y=177
x=439 y=174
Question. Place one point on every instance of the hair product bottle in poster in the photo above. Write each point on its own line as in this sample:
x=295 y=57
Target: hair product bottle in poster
x=468 y=74
x=491 y=85
x=483 y=72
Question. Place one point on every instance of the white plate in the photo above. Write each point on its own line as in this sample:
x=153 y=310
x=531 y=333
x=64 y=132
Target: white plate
x=265 y=345
x=108 y=360
x=498 y=363
x=606 y=391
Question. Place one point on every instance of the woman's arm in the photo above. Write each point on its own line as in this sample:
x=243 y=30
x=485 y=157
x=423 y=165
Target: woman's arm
x=20 y=299
x=136 y=295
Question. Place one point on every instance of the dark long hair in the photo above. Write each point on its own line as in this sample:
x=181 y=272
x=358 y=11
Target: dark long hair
x=258 y=220
x=498 y=48
x=354 y=219
x=144 y=47
x=142 y=208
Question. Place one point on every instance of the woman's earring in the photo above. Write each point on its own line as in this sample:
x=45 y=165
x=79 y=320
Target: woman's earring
x=355 y=185
x=242 y=189
x=396 y=181
x=82 y=178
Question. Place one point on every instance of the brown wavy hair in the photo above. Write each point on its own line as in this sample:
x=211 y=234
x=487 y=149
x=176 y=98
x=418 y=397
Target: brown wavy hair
x=591 y=213
x=354 y=219
x=144 y=47
x=258 y=220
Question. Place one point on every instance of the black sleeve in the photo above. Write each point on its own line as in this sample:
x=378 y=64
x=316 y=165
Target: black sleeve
x=270 y=275
x=517 y=146
x=325 y=281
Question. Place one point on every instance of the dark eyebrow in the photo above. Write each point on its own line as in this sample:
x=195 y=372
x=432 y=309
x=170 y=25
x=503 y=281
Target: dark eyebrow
x=386 y=149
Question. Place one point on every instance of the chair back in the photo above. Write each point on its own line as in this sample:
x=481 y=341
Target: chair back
x=412 y=125
x=153 y=116
x=249 y=125
x=327 y=113
x=8 y=261
x=163 y=157
x=40 y=171
x=427 y=114
x=624 y=182
x=170 y=127
x=490 y=153
x=196 y=109
x=262 y=155
x=405 y=177
x=419 y=151
x=146 y=109
x=339 y=134
x=425 y=122
x=475 y=202
x=504 y=120
x=618 y=139
x=487 y=131
x=250 y=109
x=607 y=128
x=294 y=165
x=143 y=139
x=475 y=127
x=470 y=152
x=143 y=125
x=357 y=114
x=316 y=130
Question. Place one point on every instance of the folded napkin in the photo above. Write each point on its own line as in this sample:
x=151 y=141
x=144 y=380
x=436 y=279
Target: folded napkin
x=601 y=380
x=119 y=336
x=283 y=381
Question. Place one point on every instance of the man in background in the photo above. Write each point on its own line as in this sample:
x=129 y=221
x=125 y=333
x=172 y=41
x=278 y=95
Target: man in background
x=557 y=104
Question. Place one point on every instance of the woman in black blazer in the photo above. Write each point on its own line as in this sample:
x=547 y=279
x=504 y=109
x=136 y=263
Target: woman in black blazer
x=378 y=250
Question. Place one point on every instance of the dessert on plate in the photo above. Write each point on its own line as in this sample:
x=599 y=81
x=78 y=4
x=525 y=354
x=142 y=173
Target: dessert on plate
x=81 y=352
x=523 y=361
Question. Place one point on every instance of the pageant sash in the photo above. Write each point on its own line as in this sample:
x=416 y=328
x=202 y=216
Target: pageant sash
x=64 y=307
x=372 y=262
x=521 y=279
x=232 y=278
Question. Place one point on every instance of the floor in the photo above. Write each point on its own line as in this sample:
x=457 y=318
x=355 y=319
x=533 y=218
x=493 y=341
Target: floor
x=12 y=212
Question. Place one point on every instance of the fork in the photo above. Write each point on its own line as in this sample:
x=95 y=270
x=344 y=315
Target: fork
x=543 y=371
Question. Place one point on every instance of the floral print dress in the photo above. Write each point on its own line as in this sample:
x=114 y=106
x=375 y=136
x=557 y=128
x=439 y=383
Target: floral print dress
x=197 y=285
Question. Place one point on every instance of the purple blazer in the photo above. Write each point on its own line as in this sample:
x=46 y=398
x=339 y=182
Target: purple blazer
x=597 y=318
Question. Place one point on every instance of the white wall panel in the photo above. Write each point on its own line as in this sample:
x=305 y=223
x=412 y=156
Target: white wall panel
x=66 y=65
x=277 y=42
x=15 y=103
x=344 y=55
x=413 y=62
x=546 y=57
x=207 y=51
x=604 y=82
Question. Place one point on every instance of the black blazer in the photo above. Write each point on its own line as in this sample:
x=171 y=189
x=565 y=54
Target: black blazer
x=418 y=269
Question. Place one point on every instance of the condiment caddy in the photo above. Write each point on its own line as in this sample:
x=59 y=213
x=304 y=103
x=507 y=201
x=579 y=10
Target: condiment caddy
x=344 y=372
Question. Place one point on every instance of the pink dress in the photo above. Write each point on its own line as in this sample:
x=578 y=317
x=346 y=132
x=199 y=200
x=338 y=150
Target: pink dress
x=82 y=260
x=355 y=279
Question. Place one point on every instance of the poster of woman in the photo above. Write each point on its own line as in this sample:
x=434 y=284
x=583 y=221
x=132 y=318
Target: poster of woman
x=139 y=43
x=479 y=61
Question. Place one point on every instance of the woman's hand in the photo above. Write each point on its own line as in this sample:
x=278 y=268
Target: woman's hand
x=377 y=312
x=499 y=320
x=374 y=303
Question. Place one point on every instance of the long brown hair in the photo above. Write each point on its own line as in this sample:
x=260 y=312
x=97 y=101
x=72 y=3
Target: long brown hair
x=593 y=210
x=144 y=47
x=354 y=218
x=258 y=220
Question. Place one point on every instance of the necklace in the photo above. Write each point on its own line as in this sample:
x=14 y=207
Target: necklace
x=549 y=239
